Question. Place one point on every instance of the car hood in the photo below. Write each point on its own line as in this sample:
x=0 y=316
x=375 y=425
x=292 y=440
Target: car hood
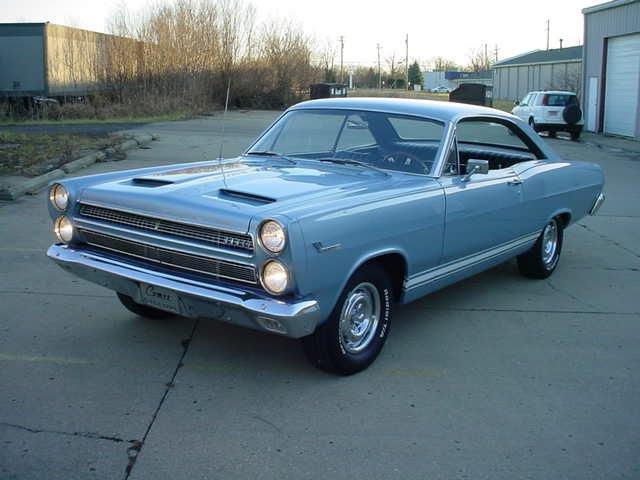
x=231 y=196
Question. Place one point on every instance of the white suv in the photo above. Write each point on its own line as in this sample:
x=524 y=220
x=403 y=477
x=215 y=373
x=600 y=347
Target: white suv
x=551 y=111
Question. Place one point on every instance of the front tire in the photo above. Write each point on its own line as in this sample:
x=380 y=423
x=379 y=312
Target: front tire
x=532 y=124
x=355 y=332
x=142 y=310
x=542 y=259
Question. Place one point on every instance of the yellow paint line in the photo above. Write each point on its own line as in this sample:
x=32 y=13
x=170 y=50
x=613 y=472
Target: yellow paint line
x=41 y=359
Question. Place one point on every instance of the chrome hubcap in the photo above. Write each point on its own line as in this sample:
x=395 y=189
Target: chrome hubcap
x=359 y=317
x=550 y=243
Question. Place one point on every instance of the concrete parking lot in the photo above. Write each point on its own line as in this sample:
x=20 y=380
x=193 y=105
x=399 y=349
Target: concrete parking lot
x=497 y=377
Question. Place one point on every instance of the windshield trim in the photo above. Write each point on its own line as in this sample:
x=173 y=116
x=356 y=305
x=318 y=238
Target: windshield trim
x=438 y=157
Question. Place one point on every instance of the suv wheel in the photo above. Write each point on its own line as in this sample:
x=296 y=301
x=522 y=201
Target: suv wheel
x=355 y=332
x=532 y=124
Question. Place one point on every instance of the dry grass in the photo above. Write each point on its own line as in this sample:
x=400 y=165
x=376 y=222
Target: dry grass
x=34 y=154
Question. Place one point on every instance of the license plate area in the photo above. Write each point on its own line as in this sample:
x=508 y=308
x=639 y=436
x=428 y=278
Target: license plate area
x=158 y=297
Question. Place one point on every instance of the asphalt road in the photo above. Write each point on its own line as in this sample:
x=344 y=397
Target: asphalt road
x=497 y=377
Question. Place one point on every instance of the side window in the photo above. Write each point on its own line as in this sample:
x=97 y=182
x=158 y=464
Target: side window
x=452 y=165
x=525 y=101
x=355 y=133
x=416 y=129
x=532 y=99
x=487 y=133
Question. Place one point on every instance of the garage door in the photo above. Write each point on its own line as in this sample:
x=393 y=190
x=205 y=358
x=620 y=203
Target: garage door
x=622 y=83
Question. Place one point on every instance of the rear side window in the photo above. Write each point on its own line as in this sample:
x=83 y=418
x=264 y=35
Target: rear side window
x=559 y=100
x=416 y=129
x=488 y=133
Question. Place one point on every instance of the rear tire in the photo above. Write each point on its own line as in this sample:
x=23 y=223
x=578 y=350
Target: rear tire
x=575 y=135
x=142 y=310
x=357 y=328
x=532 y=124
x=552 y=134
x=542 y=259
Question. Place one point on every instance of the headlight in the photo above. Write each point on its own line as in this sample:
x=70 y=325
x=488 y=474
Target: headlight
x=275 y=277
x=59 y=197
x=63 y=229
x=272 y=236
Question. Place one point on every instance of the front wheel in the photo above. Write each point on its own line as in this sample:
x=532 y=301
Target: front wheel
x=355 y=332
x=542 y=259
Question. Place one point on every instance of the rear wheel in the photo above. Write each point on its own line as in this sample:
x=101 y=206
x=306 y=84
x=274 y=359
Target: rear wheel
x=552 y=134
x=575 y=135
x=142 y=310
x=542 y=259
x=532 y=124
x=355 y=332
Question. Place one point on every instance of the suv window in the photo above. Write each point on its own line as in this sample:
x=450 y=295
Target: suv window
x=525 y=101
x=559 y=100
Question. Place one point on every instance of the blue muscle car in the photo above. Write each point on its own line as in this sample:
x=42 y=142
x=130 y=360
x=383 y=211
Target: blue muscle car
x=340 y=210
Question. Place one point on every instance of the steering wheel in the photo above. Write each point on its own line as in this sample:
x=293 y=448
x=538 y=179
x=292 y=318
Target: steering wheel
x=404 y=160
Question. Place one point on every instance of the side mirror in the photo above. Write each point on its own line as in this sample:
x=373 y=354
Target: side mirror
x=516 y=102
x=476 y=166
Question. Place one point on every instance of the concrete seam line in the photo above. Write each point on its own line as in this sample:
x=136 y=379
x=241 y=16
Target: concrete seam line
x=136 y=448
x=93 y=435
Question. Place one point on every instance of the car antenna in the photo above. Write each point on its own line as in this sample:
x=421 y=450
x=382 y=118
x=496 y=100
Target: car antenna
x=224 y=117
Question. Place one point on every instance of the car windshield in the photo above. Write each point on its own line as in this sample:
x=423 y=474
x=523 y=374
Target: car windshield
x=359 y=138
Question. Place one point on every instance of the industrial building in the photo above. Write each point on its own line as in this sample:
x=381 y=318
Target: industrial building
x=611 y=68
x=553 y=69
x=43 y=59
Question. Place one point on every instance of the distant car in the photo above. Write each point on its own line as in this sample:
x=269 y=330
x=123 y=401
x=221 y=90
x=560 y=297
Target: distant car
x=441 y=89
x=552 y=112
x=342 y=209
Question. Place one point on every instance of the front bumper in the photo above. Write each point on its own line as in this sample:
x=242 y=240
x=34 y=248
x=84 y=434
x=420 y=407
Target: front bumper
x=196 y=299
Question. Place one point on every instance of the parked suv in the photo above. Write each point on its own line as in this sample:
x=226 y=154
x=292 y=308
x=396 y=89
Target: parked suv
x=551 y=111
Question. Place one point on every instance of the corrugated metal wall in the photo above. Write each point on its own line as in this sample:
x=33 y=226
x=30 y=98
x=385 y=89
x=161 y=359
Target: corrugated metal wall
x=515 y=81
x=598 y=26
x=21 y=60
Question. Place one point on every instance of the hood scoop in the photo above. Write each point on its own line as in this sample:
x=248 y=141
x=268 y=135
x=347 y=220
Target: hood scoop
x=250 y=198
x=149 y=182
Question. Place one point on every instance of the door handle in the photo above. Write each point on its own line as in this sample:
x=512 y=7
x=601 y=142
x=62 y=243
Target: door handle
x=515 y=181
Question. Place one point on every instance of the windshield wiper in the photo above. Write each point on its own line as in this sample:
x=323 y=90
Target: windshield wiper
x=269 y=153
x=348 y=161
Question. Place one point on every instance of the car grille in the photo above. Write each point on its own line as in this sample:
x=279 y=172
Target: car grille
x=172 y=258
x=219 y=238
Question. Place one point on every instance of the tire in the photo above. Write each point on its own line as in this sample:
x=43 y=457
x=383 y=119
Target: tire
x=532 y=124
x=541 y=261
x=142 y=310
x=344 y=347
x=575 y=135
x=572 y=114
x=553 y=134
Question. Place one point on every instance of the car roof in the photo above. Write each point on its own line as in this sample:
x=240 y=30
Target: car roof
x=554 y=92
x=447 y=111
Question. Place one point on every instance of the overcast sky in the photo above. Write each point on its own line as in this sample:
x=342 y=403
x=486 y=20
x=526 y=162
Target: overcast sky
x=448 y=28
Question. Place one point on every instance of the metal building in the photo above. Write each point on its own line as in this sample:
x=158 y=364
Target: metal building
x=611 y=68
x=56 y=61
x=554 y=69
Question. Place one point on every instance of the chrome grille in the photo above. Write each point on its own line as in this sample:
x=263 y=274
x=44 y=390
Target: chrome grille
x=172 y=258
x=219 y=238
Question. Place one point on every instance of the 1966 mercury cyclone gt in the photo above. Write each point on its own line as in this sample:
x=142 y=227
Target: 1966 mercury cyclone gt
x=340 y=210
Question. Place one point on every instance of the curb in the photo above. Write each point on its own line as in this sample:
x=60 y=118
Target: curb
x=31 y=186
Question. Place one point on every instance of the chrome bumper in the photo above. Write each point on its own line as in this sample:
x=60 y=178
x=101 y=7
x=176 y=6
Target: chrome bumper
x=196 y=299
x=597 y=204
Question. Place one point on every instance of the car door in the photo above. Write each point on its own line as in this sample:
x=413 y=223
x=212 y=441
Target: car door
x=522 y=109
x=484 y=211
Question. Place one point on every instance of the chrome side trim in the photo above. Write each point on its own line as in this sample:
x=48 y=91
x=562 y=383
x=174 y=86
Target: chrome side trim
x=597 y=204
x=455 y=266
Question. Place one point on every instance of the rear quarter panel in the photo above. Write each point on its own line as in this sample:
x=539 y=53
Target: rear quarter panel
x=558 y=187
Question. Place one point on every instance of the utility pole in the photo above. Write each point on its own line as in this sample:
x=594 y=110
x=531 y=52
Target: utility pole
x=560 y=43
x=406 y=62
x=547 y=34
x=495 y=52
x=341 y=58
x=486 y=57
x=379 y=70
